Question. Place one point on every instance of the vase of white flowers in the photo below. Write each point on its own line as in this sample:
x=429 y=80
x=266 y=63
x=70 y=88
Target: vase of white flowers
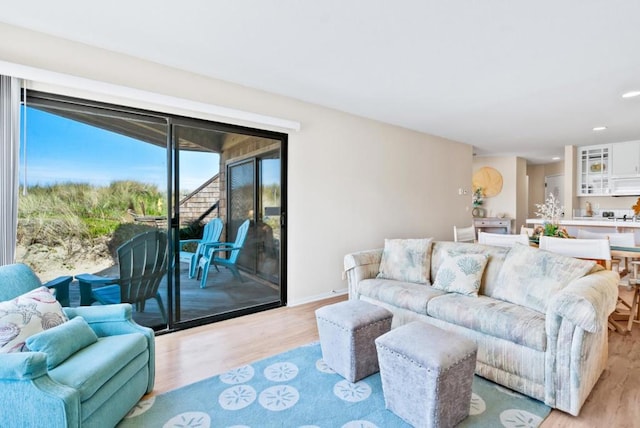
x=550 y=212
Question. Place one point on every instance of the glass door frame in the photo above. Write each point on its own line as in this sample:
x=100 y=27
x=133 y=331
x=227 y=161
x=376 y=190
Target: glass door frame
x=173 y=177
x=173 y=174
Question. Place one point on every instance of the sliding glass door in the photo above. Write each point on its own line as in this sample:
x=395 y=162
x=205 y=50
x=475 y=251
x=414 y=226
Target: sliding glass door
x=95 y=175
x=246 y=277
x=254 y=194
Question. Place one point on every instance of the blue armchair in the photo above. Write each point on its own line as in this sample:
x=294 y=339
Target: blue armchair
x=95 y=386
x=13 y=284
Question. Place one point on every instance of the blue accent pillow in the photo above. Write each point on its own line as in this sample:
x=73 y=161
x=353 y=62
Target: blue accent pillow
x=61 y=342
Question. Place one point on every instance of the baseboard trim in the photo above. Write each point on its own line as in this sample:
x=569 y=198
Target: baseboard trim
x=310 y=299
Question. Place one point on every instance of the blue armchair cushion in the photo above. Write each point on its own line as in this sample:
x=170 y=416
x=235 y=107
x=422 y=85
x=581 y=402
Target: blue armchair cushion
x=62 y=341
x=26 y=315
x=94 y=366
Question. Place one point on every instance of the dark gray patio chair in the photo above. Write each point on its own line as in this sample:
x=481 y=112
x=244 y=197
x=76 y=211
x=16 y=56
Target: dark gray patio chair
x=142 y=263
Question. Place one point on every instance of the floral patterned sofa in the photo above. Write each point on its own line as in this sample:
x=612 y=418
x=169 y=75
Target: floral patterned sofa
x=539 y=319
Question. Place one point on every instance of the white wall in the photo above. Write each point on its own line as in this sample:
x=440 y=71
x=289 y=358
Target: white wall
x=522 y=194
x=352 y=181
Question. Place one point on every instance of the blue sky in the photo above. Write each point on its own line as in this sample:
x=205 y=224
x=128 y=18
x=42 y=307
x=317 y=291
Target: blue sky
x=63 y=150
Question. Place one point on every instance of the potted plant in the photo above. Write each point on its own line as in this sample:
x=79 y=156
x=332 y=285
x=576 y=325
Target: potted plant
x=477 y=196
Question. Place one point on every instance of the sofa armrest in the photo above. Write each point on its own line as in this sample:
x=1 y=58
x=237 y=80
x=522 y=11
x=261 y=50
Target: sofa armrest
x=587 y=301
x=30 y=397
x=577 y=334
x=111 y=320
x=360 y=266
x=22 y=365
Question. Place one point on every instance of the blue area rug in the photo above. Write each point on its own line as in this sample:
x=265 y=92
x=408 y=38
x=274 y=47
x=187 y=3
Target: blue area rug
x=297 y=389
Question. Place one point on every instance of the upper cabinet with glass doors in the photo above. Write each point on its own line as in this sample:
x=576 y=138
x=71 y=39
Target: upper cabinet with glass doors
x=594 y=170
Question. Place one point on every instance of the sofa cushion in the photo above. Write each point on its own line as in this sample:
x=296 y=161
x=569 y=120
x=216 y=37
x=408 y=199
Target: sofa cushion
x=27 y=315
x=496 y=255
x=406 y=260
x=88 y=369
x=461 y=273
x=406 y=295
x=530 y=276
x=62 y=341
x=493 y=317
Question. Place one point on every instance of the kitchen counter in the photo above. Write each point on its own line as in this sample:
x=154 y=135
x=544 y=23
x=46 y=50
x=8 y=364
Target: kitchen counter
x=592 y=222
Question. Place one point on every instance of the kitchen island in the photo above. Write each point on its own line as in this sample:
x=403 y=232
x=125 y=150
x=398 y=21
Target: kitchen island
x=594 y=224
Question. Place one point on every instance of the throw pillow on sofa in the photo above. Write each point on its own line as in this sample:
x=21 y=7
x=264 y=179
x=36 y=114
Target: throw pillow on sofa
x=62 y=341
x=26 y=315
x=461 y=273
x=530 y=276
x=407 y=260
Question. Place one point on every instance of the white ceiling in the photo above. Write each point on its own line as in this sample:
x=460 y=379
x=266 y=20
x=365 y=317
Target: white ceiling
x=511 y=77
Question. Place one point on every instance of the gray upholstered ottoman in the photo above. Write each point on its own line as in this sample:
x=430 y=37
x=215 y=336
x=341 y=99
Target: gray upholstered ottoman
x=426 y=374
x=347 y=334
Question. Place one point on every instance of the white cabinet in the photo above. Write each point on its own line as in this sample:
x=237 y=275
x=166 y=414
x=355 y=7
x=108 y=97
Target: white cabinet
x=593 y=170
x=625 y=159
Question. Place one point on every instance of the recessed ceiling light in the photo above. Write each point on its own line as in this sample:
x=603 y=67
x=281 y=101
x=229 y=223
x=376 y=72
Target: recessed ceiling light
x=555 y=158
x=630 y=94
x=599 y=128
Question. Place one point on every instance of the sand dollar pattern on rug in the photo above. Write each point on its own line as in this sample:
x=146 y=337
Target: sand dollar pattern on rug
x=516 y=418
x=281 y=372
x=237 y=397
x=190 y=420
x=299 y=389
x=240 y=375
x=323 y=367
x=478 y=406
x=279 y=397
x=141 y=407
x=352 y=392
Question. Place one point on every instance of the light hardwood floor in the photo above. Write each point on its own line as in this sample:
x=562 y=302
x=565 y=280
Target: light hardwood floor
x=187 y=356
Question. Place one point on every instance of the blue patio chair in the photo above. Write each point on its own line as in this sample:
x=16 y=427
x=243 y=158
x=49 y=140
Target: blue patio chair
x=142 y=261
x=232 y=248
x=211 y=234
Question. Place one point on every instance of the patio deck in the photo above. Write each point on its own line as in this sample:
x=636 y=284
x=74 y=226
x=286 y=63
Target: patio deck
x=222 y=294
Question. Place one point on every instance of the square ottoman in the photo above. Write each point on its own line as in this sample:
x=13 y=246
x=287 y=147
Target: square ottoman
x=347 y=332
x=426 y=374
